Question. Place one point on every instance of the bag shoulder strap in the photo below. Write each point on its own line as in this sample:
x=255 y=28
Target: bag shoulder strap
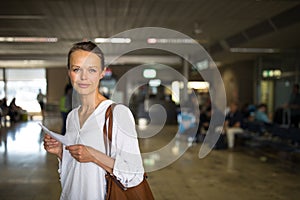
x=107 y=135
x=107 y=132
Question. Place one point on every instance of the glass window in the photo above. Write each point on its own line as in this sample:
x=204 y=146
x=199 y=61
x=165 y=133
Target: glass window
x=24 y=85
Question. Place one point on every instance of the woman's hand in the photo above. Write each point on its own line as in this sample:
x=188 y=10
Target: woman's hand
x=84 y=154
x=81 y=153
x=52 y=146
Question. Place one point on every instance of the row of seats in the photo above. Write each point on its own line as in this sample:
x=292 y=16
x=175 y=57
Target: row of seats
x=272 y=135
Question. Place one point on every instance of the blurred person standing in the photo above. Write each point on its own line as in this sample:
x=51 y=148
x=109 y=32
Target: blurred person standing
x=65 y=106
x=41 y=100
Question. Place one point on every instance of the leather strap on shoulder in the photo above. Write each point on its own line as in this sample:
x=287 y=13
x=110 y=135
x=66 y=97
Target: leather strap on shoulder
x=107 y=132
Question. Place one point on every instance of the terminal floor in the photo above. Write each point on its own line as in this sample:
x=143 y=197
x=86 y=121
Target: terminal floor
x=27 y=172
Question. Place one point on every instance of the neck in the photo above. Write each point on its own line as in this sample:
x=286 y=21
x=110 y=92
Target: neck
x=91 y=102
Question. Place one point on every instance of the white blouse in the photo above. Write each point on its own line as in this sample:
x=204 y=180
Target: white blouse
x=87 y=180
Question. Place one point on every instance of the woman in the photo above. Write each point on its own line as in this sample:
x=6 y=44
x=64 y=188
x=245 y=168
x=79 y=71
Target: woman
x=82 y=166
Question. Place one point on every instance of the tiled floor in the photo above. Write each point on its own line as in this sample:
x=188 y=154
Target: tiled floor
x=28 y=173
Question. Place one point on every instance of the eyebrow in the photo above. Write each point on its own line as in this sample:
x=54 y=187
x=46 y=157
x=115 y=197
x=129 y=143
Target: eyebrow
x=77 y=66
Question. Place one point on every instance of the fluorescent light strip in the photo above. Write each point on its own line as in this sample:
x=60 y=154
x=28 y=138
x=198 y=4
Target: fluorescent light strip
x=254 y=50
x=113 y=40
x=22 y=17
x=170 y=41
x=28 y=39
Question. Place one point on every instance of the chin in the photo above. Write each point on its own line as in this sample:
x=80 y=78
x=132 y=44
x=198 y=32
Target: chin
x=82 y=91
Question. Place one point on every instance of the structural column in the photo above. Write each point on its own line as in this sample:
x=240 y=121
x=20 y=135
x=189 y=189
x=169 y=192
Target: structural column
x=185 y=72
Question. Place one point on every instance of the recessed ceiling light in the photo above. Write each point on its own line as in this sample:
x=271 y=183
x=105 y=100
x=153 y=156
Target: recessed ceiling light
x=149 y=73
x=154 y=82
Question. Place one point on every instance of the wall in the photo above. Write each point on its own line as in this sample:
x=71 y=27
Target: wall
x=239 y=82
x=57 y=78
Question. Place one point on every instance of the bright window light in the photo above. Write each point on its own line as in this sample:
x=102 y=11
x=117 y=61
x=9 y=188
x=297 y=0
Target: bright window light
x=24 y=84
x=198 y=85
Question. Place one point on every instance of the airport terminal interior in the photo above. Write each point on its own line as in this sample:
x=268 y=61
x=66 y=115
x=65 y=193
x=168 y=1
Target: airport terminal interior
x=213 y=87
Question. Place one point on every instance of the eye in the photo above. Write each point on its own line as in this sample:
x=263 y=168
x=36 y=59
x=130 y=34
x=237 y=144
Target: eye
x=75 y=69
x=92 y=70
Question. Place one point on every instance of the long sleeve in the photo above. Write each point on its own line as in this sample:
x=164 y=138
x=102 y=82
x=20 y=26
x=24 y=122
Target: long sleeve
x=128 y=167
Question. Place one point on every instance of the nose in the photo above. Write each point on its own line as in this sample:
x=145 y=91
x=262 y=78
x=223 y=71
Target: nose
x=83 y=75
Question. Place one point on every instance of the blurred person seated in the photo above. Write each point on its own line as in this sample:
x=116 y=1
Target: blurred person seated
x=15 y=112
x=261 y=114
x=4 y=110
x=187 y=125
x=204 y=122
x=205 y=118
x=186 y=120
x=207 y=126
x=248 y=112
x=233 y=123
x=245 y=111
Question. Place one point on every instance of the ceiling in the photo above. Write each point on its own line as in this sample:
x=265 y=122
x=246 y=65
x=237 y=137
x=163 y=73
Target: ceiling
x=218 y=25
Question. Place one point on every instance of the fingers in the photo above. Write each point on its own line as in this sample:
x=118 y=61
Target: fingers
x=52 y=146
x=76 y=150
x=49 y=141
x=48 y=138
x=75 y=147
x=79 y=152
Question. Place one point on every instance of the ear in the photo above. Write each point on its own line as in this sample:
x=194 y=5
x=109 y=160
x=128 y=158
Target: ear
x=69 y=72
x=103 y=73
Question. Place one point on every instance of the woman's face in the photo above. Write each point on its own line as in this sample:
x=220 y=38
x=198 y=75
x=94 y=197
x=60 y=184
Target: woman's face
x=85 y=72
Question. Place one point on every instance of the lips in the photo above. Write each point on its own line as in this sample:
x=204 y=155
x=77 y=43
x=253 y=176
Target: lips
x=82 y=85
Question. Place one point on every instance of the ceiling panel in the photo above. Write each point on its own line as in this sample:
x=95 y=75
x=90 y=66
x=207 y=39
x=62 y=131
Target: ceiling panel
x=209 y=22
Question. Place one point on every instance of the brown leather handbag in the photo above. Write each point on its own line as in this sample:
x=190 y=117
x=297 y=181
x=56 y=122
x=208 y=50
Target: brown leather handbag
x=115 y=189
